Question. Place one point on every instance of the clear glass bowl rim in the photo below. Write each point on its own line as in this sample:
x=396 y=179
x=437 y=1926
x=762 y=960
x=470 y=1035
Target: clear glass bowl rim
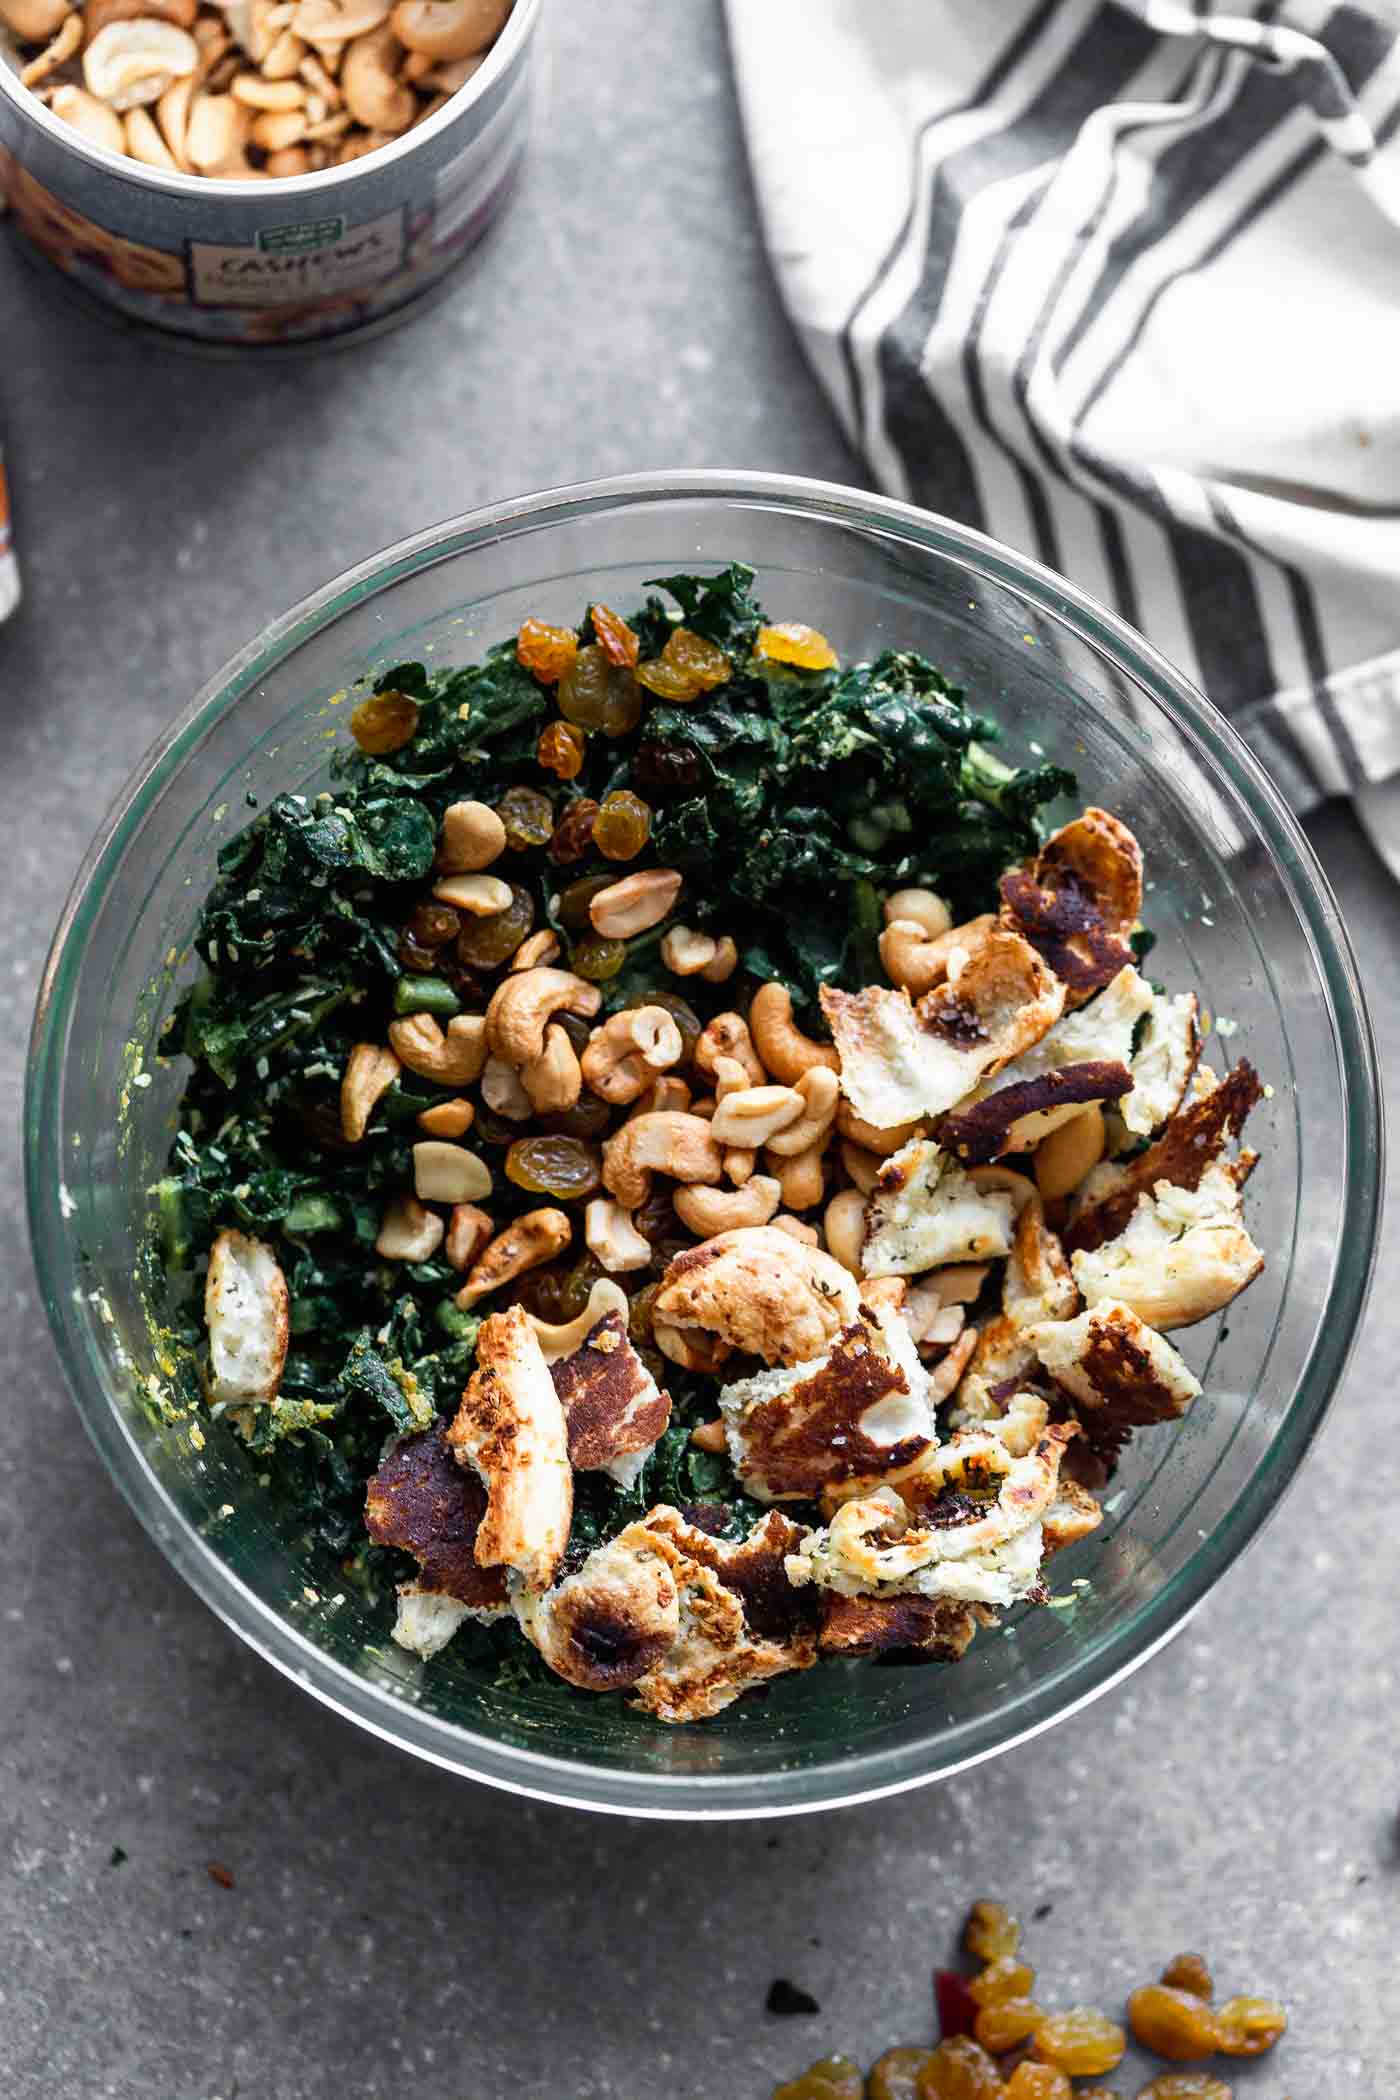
x=860 y=1775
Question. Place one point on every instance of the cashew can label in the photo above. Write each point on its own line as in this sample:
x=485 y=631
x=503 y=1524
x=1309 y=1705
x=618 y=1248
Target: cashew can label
x=290 y=265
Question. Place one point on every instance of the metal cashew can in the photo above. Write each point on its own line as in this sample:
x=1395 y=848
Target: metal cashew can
x=259 y=263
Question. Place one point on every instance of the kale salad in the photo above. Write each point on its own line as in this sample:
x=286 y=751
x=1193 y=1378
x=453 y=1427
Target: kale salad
x=681 y=1175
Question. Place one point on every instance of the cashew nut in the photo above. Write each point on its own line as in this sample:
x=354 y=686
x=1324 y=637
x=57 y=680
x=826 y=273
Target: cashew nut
x=523 y=1005
x=290 y=160
x=801 y=1177
x=454 y=1059
x=821 y=1092
x=33 y=21
x=270 y=95
x=376 y=99
x=444 y=1173
x=135 y=61
x=870 y=1135
x=86 y=114
x=173 y=116
x=524 y=1244
x=730 y=1078
x=946 y=1373
x=553 y=1080
x=609 y=1234
x=326 y=22
x=603 y=1299
x=753 y=1115
x=708 y=1211
x=144 y=142
x=861 y=1167
x=626 y=1053
x=540 y=948
x=996 y=1177
x=1062 y=1159
x=917 y=962
x=284 y=57
x=785 y=1050
x=472 y=836
x=890 y=1291
x=739 y=1163
x=690 y=1347
x=215 y=135
x=635 y=903
x=844 y=1227
x=922 y=907
x=688 y=953
x=503 y=1093
x=723 y=963
x=468 y=1230
x=797 y=1229
x=447 y=29
x=65 y=45
x=667 y=1142
x=408 y=1232
x=728 y=1036
x=369 y=1073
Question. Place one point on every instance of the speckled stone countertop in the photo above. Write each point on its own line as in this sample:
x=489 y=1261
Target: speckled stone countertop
x=391 y=1930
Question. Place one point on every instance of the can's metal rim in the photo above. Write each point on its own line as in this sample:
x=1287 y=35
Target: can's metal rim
x=524 y=17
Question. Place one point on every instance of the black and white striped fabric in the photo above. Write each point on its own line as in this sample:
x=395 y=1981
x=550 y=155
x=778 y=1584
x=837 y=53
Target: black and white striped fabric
x=1118 y=281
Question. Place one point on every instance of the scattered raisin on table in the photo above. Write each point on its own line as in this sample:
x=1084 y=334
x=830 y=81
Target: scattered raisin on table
x=383 y=723
x=1003 y=1978
x=547 y=651
x=622 y=825
x=1038 y=2082
x=615 y=638
x=1081 y=2041
x=1188 y=1972
x=895 y=2076
x=1007 y=2021
x=555 y=1166
x=1173 y=2023
x=960 y=2069
x=990 y=1932
x=560 y=749
x=834 y=2078
x=485 y=943
x=1249 y=2026
x=790 y=642
x=687 y=668
x=528 y=817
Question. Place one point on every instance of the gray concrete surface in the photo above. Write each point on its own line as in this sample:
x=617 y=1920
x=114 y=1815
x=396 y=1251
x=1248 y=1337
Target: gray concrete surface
x=391 y=1930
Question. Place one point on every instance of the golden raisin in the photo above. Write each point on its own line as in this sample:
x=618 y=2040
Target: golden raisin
x=528 y=817
x=1249 y=2026
x=573 y=834
x=622 y=825
x=545 y=650
x=598 y=959
x=615 y=637
x=432 y=924
x=1173 y=2023
x=1007 y=2021
x=990 y=1932
x=574 y=903
x=834 y=2078
x=895 y=2075
x=792 y=643
x=1003 y=1978
x=598 y=694
x=485 y=943
x=959 y=2069
x=1080 y=2041
x=1188 y=1972
x=555 y=1166
x=1183 y=2085
x=560 y=749
x=687 y=667
x=383 y=723
x=1038 y=2082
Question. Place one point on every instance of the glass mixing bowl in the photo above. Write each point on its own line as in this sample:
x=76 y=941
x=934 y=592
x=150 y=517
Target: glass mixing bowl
x=1241 y=910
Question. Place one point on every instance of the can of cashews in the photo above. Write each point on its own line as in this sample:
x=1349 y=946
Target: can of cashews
x=267 y=263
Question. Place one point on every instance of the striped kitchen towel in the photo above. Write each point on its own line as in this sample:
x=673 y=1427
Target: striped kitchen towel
x=1118 y=281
